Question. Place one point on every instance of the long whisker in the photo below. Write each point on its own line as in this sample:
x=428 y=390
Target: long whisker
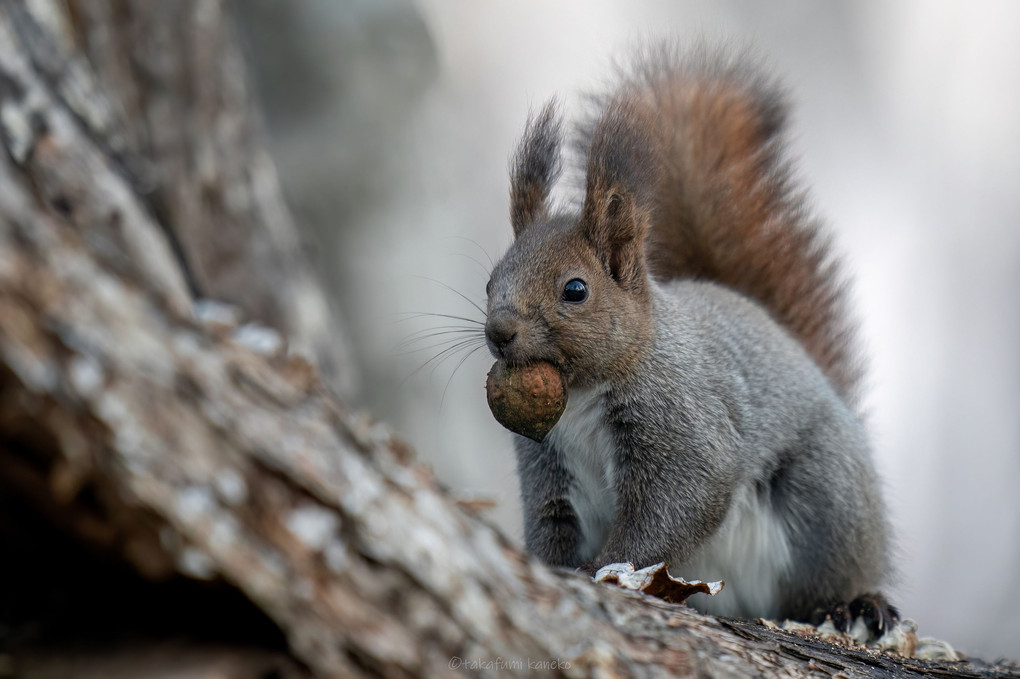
x=478 y=245
x=449 y=339
x=471 y=353
x=456 y=292
x=441 y=343
x=451 y=352
x=420 y=314
x=438 y=359
x=423 y=335
x=444 y=328
x=481 y=266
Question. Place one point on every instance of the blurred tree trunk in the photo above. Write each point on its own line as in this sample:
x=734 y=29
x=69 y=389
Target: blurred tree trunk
x=178 y=439
x=151 y=99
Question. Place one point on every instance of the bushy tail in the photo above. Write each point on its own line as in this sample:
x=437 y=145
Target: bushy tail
x=723 y=206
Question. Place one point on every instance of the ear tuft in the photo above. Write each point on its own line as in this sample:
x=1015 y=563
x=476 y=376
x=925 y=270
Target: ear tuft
x=620 y=176
x=535 y=167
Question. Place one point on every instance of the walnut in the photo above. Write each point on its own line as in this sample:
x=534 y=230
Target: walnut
x=527 y=400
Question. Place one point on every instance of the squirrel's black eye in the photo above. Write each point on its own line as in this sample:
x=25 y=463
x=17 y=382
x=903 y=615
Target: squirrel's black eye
x=575 y=291
x=488 y=288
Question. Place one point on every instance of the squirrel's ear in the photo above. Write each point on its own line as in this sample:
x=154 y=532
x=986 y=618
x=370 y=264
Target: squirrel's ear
x=619 y=178
x=535 y=167
x=616 y=228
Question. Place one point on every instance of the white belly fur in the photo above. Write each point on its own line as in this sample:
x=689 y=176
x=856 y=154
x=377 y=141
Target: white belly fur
x=751 y=552
x=588 y=451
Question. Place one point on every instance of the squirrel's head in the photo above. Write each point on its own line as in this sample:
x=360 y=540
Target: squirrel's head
x=573 y=289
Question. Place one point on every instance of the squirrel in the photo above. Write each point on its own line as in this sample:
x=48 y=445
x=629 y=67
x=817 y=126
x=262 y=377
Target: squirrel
x=698 y=316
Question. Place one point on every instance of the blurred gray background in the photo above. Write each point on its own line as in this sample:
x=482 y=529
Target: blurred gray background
x=392 y=122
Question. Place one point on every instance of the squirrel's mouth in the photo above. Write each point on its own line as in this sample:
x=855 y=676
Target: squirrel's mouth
x=519 y=342
x=514 y=359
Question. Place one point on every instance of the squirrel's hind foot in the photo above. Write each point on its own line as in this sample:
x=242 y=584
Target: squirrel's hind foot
x=866 y=618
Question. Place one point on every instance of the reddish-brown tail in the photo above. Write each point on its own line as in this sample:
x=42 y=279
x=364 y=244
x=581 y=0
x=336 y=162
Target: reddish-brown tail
x=723 y=206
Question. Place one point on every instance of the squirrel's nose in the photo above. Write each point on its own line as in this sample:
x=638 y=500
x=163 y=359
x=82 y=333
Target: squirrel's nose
x=500 y=331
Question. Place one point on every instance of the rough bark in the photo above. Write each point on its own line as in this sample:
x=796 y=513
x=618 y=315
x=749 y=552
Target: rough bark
x=180 y=446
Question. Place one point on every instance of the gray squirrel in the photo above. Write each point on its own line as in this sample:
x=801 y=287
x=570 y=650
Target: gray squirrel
x=698 y=317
